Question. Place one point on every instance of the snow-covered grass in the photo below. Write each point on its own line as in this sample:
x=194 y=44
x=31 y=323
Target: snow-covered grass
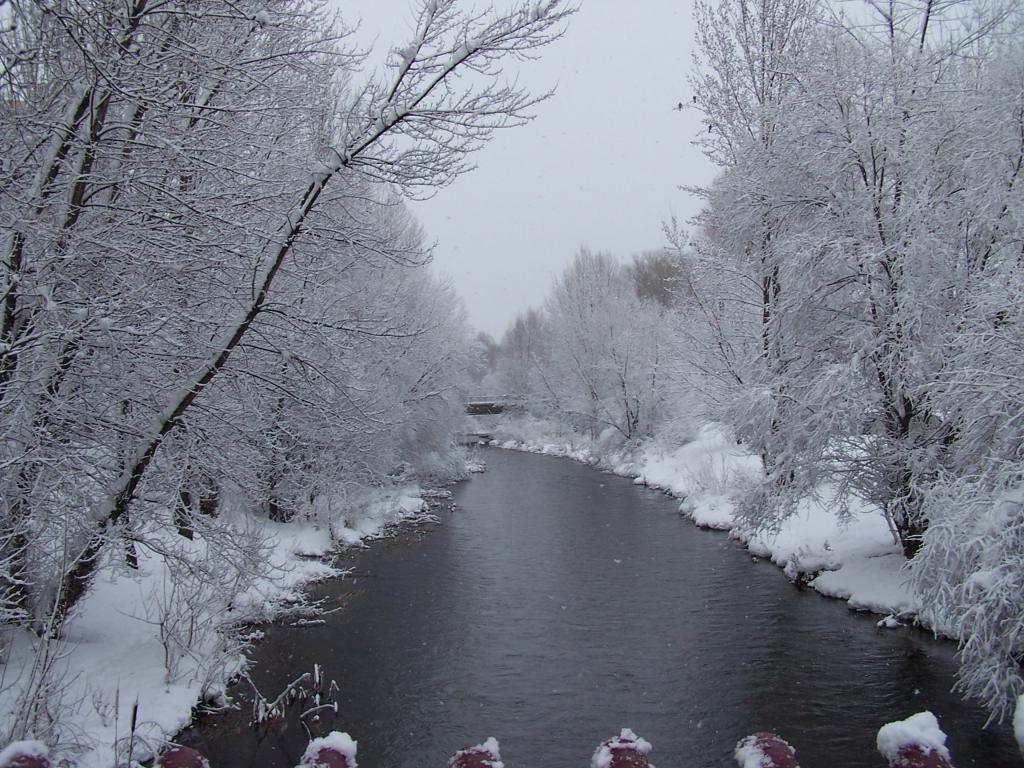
x=853 y=558
x=141 y=648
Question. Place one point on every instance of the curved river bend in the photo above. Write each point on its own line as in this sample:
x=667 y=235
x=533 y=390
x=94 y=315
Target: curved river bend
x=557 y=604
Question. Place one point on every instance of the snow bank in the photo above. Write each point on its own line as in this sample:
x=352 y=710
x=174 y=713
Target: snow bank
x=921 y=730
x=376 y=511
x=855 y=559
x=871 y=583
x=123 y=650
x=298 y=557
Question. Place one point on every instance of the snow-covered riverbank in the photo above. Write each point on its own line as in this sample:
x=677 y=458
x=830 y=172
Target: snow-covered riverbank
x=856 y=559
x=137 y=650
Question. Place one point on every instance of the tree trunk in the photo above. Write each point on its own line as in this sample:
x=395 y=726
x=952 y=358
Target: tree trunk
x=76 y=579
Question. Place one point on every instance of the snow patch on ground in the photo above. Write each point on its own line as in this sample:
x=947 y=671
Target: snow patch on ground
x=874 y=583
x=120 y=652
x=854 y=558
x=378 y=510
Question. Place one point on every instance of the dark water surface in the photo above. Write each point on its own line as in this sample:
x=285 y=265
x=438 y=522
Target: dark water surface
x=556 y=605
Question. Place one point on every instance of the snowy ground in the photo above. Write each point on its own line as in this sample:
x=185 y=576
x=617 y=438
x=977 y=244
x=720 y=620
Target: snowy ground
x=124 y=650
x=857 y=561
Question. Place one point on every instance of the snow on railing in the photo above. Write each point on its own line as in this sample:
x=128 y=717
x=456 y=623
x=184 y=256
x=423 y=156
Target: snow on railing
x=916 y=742
x=765 y=749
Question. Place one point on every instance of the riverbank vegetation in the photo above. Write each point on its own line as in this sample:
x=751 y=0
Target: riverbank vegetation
x=848 y=303
x=222 y=350
x=215 y=316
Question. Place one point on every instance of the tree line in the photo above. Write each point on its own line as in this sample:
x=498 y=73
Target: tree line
x=214 y=302
x=849 y=299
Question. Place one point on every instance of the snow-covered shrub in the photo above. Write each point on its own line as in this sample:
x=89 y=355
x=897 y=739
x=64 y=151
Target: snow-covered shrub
x=970 y=575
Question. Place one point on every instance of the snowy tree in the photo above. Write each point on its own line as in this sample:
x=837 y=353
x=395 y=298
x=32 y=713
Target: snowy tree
x=868 y=203
x=604 y=369
x=743 y=86
x=891 y=188
x=969 y=569
x=524 y=348
x=171 y=168
x=132 y=212
x=214 y=301
x=658 y=276
x=483 y=362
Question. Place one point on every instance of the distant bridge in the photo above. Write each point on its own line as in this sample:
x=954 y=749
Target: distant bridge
x=485 y=405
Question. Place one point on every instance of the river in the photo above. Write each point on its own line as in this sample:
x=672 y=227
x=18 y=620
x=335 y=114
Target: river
x=556 y=604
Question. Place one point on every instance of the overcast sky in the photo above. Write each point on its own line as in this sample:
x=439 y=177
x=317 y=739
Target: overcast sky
x=600 y=166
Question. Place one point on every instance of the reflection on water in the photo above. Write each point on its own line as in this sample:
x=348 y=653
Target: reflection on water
x=557 y=604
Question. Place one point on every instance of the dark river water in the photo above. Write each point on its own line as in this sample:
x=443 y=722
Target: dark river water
x=555 y=605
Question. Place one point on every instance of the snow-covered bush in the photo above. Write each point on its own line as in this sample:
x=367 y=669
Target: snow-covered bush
x=856 y=283
x=970 y=575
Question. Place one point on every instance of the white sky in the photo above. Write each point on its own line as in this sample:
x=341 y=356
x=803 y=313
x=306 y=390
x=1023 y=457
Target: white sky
x=600 y=166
